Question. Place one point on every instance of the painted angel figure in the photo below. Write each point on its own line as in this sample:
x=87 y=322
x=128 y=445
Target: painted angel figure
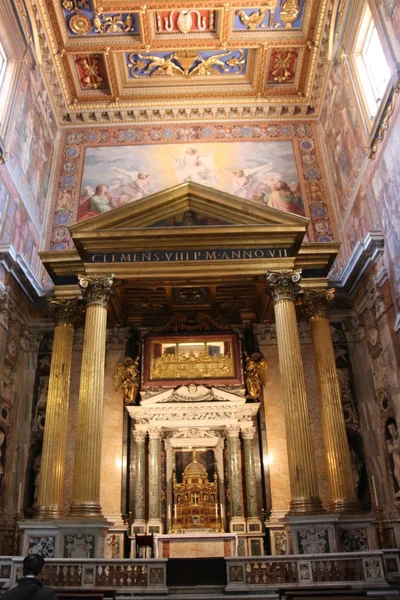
x=132 y=184
x=255 y=372
x=194 y=166
x=127 y=377
x=253 y=183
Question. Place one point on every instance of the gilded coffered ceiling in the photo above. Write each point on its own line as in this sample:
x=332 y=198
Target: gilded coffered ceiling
x=119 y=61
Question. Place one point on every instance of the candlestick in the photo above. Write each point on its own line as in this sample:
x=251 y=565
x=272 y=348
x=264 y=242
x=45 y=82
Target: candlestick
x=374 y=490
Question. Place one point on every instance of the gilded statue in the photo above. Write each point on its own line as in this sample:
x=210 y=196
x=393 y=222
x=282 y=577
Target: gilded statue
x=127 y=378
x=255 y=19
x=255 y=372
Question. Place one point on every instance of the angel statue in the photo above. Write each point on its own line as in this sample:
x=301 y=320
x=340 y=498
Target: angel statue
x=255 y=372
x=127 y=377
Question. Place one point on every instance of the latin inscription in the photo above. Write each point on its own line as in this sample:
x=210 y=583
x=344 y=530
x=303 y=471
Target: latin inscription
x=189 y=255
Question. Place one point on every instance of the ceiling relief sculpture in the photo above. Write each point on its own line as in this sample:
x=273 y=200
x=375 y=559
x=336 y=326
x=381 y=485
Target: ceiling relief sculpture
x=113 y=58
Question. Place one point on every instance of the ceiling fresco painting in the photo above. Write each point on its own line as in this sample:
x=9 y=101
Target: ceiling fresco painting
x=115 y=59
x=268 y=164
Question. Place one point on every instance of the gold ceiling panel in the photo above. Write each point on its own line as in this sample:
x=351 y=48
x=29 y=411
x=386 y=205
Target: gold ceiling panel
x=116 y=59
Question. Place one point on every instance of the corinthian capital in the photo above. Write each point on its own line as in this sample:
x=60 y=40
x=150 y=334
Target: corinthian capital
x=316 y=304
x=96 y=289
x=67 y=312
x=283 y=285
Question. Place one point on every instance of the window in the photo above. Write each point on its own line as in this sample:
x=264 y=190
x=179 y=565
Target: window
x=372 y=68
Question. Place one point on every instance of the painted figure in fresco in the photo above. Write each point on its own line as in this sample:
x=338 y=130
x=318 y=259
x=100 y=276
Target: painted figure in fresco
x=101 y=201
x=255 y=374
x=133 y=184
x=283 y=198
x=190 y=167
x=250 y=183
x=393 y=446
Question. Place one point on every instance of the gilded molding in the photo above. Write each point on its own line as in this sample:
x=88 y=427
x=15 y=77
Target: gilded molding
x=283 y=285
x=96 y=289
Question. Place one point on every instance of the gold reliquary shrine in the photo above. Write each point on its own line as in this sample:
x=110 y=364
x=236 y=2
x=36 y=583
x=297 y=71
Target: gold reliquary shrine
x=213 y=357
x=195 y=501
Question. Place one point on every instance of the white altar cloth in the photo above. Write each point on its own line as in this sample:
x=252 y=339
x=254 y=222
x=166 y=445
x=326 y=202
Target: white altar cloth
x=196 y=545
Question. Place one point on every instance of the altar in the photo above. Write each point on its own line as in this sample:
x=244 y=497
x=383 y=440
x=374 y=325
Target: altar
x=196 y=545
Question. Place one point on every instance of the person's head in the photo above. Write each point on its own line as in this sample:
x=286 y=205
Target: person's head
x=32 y=565
x=294 y=187
x=101 y=189
x=191 y=151
x=239 y=173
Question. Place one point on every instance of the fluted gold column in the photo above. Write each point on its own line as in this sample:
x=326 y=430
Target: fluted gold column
x=86 y=485
x=341 y=485
x=50 y=495
x=283 y=287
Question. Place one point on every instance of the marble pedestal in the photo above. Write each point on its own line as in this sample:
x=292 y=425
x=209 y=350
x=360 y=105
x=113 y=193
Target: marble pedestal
x=64 y=539
x=196 y=545
x=311 y=534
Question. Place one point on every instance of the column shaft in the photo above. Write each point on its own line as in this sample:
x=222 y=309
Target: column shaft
x=140 y=478
x=50 y=496
x=87 y=468
x=154 y=476
x=235 y=475
x=302 y=472
x=342 y=490
x=250 y=476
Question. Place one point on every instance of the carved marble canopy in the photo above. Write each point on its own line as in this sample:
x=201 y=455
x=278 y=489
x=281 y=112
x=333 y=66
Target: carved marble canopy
x=201 y=409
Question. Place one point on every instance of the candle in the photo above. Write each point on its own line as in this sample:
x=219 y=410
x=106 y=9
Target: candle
x=169 y=512
x=374 y=490
x=175 y=512
x=216 y=511
x=222 y=512
x=19 y=498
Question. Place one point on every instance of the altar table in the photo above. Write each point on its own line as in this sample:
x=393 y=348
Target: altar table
x=196 y=545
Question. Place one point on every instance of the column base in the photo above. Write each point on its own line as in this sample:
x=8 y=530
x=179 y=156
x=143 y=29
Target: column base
x=85 y=510
x=48 y=513
x=345 y=505
x=155 y=526
x=305 y=505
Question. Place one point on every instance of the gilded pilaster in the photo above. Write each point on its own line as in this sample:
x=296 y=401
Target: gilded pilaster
x=140 y=438
x=86 y=486
x=235 y=475
x=249 y=471
x=50 y=495
x=284 y=287
x=341 y=485
x=154 y=473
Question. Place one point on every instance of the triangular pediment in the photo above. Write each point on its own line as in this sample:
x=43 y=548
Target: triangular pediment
x=192 y=394
x=208 y=207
